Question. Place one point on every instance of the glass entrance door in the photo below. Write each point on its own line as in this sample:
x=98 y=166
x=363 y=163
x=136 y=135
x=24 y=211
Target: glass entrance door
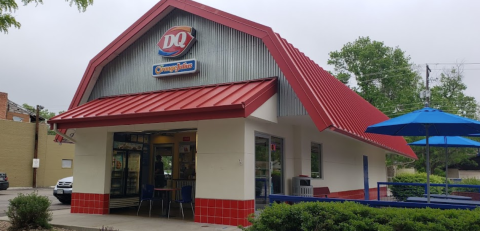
x=262 y=171
x=268 y=168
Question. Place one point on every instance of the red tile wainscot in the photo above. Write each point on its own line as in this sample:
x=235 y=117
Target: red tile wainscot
x=90 y=203
x=359 y=194
x=223 y=212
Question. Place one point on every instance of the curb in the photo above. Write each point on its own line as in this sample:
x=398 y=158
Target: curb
x=76 y=228
x=19 y=188
x=27 y=188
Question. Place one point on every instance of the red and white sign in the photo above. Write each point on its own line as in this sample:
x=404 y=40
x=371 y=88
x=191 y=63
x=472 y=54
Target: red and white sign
x=176 y=41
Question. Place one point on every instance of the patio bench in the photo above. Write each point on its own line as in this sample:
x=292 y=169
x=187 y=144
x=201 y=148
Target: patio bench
x=322 y=192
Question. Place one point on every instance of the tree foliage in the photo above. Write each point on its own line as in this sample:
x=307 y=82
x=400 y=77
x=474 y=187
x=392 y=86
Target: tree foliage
x=387 y=79
x=384 y=75
x=7 y=7
x=44 y=113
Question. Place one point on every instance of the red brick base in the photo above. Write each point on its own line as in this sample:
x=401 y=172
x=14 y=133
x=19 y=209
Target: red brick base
x=90 y=203
x=474 y=195
x=223 y=212
x=359 y=194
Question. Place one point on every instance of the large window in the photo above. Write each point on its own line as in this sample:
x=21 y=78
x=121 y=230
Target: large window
x=317 y=161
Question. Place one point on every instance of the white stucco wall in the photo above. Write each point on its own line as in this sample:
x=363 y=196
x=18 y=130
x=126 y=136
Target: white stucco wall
x=268 y=110
x=93 y=151
x=221 y=159
x=464 y=174
x=453 y=173
x=342 y=155
x=343 y=161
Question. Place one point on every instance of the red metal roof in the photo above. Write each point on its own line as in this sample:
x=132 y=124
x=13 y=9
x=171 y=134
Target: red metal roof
x=229 y=100
x=329 y=103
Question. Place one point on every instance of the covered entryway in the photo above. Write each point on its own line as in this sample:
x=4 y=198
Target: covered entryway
x=198 y=133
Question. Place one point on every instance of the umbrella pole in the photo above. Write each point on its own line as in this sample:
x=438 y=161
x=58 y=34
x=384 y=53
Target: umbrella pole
x=446 y=170
x=428 y=164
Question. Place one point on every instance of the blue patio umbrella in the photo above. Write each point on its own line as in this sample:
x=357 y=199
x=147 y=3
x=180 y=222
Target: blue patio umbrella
x=447 y=141
x=427 y=122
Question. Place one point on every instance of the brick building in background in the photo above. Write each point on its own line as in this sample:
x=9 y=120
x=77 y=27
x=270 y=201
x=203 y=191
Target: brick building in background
x=12 y=111
x=18 y=141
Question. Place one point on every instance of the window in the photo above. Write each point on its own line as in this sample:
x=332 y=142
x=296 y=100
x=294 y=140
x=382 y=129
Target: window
x=317 y=160
x=67 y=163
x=18 y=119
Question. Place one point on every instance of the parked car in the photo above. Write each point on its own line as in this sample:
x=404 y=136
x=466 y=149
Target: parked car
x=63 y=190
x=3 y=181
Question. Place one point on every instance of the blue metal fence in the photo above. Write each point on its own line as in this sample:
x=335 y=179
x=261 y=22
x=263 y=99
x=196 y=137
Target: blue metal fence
x=416 y=186
x=372 y=203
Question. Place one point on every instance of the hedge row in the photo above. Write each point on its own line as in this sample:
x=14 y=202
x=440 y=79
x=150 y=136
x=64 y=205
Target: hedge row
x=469 y=181
x=401 y=192
x=352 y=216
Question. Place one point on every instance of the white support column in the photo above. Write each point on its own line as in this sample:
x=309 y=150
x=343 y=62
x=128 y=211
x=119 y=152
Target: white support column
x=224 y=195
x=92 y=172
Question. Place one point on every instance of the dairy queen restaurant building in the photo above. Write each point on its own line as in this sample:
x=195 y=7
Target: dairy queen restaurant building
x=190 y=97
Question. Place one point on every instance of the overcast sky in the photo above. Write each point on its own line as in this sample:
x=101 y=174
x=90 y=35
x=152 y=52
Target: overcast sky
x=43 y=62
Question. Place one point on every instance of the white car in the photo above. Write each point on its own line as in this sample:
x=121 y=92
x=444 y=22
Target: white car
x=63 y=190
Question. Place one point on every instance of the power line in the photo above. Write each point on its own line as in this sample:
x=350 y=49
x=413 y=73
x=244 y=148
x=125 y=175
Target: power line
x=455 y=63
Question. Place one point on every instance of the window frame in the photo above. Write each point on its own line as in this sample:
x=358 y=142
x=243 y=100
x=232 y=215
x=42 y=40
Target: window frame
x=71 y=164
x=320 y=161
x=17 y=118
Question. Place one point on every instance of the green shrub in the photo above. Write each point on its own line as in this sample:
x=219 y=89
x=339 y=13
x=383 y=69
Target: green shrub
x=468 y=181
x=352 y=216
x=401 y=192
x=29 y=211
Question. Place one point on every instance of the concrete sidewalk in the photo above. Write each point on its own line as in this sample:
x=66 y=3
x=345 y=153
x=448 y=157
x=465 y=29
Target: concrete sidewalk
x=87 y=222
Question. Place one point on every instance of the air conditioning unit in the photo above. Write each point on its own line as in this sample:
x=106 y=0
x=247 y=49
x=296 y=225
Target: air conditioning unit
x=301 y=186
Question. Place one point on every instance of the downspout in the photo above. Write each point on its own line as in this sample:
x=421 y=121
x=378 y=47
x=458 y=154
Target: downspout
x=61 y=134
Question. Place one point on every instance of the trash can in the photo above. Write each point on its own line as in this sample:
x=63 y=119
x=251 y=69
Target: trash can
x=301 y=186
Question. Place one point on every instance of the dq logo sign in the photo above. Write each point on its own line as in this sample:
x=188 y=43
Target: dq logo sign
x=176 y=41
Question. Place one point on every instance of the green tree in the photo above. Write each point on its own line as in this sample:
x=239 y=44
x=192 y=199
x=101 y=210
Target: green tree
x=7 y=7
x=384 y=75
x=447 y=94
x=44 y=113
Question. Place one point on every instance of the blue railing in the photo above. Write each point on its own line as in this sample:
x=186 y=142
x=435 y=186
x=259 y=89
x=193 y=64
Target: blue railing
x=296 y=199
x=424 y=186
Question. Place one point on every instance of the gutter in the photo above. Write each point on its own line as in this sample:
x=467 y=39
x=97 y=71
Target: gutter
x=61 y=134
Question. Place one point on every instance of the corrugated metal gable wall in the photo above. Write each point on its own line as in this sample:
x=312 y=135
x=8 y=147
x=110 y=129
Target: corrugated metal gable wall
x=223 y=55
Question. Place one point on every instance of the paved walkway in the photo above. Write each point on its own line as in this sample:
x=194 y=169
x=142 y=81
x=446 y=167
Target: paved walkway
x=86 y=222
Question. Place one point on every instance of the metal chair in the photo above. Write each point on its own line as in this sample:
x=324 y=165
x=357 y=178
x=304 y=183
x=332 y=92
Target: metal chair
x=186 y=193
x=147 y=195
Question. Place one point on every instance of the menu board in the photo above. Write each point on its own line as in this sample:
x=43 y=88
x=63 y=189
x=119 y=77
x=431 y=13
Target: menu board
x=127 y=146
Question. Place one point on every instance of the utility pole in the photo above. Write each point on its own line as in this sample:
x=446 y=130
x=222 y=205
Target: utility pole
x=35 y=151
x=427 y=92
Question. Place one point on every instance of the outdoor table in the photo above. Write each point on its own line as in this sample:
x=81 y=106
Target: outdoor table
x=443 y=201
x=442 y=196
x=168 y=192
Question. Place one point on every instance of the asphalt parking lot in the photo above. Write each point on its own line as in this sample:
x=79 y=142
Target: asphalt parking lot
x=6 y=195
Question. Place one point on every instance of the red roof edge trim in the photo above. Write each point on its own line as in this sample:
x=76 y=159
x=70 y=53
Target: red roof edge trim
x=256 y=101
x=225 y=114
x=406 y=152
x=282 y=59
x=148 y=114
